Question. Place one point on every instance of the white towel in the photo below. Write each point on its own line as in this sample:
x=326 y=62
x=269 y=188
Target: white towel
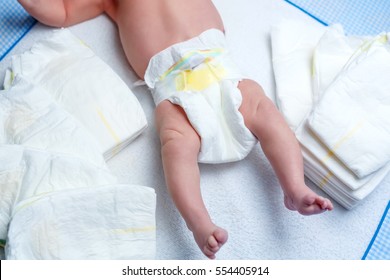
x=86 y=87
x=353 y=117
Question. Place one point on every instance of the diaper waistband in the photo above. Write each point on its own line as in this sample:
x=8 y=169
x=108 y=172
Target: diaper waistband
x=195 y=72
x=209 y=42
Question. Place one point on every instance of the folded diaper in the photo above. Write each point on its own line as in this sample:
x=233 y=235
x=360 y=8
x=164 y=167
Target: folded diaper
x=344 y=130
x=292 y=52
x=199 y=76
x=335 y=167
x=332 y=185
x=11 y=173
x=26 y=172
x=353 y=117
x=332 y=52
x=331 y=175
x=86 y=87
x=31 y=118
x=110 y=222
x=58 y=198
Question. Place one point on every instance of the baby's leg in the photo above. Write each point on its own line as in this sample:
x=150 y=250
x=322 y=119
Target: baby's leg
x=180 y=146
x=281 y=148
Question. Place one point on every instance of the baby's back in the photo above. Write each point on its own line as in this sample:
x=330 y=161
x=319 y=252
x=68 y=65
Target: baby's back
x=149 y=26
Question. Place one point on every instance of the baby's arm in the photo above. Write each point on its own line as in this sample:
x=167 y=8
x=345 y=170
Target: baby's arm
x=62 y=13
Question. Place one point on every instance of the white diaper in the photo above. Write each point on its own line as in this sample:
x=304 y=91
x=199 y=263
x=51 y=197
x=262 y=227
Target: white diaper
x=199 y=76
x=85 y=86
x=353 y=117
x=292 y=52
x=108 y=222
x=58 y=199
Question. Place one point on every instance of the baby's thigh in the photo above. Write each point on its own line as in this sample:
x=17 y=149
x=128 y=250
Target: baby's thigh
x=252 y=97
x=172 y=122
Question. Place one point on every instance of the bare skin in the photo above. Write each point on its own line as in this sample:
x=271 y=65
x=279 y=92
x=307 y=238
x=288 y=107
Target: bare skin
x=146 y=27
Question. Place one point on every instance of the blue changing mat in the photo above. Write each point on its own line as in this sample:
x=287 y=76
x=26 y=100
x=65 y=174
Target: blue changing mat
x=358 y=17
x=379 y=248
x=15 y=22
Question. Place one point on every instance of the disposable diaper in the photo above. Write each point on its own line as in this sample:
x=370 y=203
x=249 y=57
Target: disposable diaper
x=293 y=44
x=103 y=223
x=199 y=76
x=58 y=198
x=344 y=131
x=30 y=117
x=11 y=174
x=332 y=184
x=86 y=87
x=26 y=172
x=336 y=168
x=331 y=54
x=353 y=117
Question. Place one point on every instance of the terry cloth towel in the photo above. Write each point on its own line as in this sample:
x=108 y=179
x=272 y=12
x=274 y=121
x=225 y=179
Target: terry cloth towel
x=326 y=66
x=379 y=248
x=86 y=87
x=44 y=153
x=353 y=116
x=15 y=22
x=359 y=17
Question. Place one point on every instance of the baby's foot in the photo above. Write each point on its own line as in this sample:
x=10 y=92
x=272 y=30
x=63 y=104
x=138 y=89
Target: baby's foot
x=308 y=203
x=210 y=239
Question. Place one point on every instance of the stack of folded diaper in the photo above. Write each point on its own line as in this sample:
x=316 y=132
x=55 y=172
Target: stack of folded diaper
x=82 y=84
x=59 y=200
x=337 y=101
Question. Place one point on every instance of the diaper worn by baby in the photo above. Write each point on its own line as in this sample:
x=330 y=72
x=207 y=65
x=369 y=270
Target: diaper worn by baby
x=199 y=76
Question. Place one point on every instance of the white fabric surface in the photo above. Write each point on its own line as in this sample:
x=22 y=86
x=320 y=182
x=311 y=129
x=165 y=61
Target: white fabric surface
x=212 y=109
x=243 y=197
x=86 y=87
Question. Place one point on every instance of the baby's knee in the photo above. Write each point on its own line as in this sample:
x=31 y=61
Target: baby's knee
x=179 y=142
x=253 y=99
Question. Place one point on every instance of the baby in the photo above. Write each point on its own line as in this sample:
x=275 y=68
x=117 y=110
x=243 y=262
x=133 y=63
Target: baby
x=205 y=110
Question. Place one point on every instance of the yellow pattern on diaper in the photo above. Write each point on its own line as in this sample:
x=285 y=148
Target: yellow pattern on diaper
x=349 y=134
x=325 y=180
x=199 y=78
x=108 y=126
x=134 y=230
x=197 y=70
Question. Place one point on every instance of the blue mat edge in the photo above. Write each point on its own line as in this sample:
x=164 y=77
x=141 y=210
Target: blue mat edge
x=17 y=41
x=306 y=12
x=376 y=232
